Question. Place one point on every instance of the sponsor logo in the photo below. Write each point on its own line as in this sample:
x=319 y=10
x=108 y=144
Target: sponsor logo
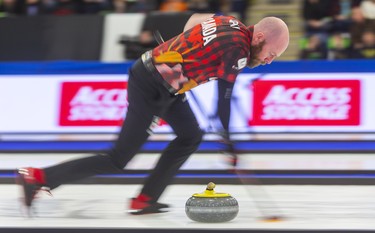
x=306 y=102
x=241 y=63
x=234 y=24
x=93 y=103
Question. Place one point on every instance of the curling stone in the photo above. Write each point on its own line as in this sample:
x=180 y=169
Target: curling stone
x=211 y=207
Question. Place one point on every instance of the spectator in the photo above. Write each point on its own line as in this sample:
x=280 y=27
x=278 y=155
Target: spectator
x=341 y=20
x=358 y=25
x=119 y=6
x=30 y=7
x=200 y=6
x=367 y=50
x=65 y=7
x=225 y=7
x=323 y=17
x=143 y=6
x=361 y=22
x=313 y=48
x=9 y=8
x=33 y=7
x=94 y=6
x=317 y=16
x=240 y=8
x=355 y=3
x=49 y=6
x=338 y=46
x=368 y=9
x=173 y=6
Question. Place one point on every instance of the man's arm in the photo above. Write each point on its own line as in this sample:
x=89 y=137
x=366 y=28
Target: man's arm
x=225 y=89
x=196 y=19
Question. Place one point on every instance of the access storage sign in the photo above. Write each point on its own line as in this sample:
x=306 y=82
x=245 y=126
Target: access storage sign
x=306 y=102
x=93 y=103
x=288 y=102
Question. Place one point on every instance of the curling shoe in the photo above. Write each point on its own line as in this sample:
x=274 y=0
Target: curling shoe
x=32 y=180
x=143 y=205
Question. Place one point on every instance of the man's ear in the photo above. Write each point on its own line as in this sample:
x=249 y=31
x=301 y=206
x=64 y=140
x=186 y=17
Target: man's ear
x=258 y=38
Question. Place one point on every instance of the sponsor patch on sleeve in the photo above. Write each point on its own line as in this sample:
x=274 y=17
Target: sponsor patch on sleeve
x=241 y=63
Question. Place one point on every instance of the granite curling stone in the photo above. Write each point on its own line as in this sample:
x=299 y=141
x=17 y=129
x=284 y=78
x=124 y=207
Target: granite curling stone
x=211 y=207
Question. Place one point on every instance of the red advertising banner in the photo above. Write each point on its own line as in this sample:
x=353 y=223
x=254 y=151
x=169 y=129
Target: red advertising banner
x=93 y=103
x=306 y=103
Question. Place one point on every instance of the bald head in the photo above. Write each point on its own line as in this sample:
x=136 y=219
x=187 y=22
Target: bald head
x=275 y=33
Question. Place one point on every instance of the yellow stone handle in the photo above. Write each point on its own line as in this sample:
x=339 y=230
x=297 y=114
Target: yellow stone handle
x=209 y=192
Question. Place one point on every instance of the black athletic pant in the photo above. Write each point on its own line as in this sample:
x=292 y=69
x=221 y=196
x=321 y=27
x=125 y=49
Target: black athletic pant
x=147 y=98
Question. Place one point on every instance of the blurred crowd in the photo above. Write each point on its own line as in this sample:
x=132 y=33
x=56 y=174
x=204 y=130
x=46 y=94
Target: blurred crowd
x=69 y=7
x=134 y=46
x=338 y=29
x=333 y=29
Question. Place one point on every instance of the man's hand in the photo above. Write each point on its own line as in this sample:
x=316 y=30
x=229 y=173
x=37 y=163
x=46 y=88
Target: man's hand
x=173 y=75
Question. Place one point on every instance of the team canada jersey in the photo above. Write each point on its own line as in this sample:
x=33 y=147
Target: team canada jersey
x=216 y=48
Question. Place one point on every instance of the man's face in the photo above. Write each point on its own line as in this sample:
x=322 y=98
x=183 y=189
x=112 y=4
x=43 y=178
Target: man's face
x=255 y=51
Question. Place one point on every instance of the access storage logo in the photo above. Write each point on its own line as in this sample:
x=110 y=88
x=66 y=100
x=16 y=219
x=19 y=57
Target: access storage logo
x=306 y=103
x=93 y=103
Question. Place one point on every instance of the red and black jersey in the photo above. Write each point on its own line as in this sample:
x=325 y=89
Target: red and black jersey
x=216 y=48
